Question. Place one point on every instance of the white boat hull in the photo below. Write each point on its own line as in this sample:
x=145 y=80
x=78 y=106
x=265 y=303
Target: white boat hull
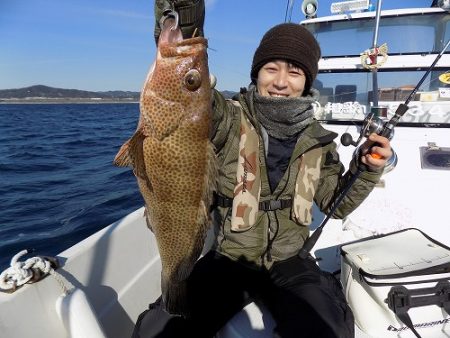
x=118 y=268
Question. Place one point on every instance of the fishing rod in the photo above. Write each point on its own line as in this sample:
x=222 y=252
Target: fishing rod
x=372 y=124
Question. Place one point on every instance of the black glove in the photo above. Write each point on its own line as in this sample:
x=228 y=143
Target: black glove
x=191 y=16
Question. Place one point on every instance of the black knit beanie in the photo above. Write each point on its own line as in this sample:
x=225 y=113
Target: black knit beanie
x=292 y=43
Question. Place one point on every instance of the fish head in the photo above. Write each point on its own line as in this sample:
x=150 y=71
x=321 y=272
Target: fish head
x=180 y=75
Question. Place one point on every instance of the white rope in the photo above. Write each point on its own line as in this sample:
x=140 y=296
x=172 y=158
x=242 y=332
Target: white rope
x=20 y=273
x=66 y=286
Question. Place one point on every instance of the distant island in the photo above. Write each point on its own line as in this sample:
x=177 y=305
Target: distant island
x=46 y=94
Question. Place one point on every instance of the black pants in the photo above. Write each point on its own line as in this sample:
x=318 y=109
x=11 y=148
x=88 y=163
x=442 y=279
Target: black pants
x=303 y=300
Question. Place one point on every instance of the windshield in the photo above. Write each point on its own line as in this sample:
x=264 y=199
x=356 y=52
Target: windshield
x=403 y=34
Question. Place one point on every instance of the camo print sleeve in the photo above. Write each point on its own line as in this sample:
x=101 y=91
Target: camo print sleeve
x=332 y=179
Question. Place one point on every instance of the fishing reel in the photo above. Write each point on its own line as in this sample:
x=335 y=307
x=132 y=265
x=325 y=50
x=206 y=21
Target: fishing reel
x=373 y=123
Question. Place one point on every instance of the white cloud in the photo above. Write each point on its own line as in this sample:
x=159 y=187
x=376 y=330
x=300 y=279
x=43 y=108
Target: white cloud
x=126 y=14
x=210 y=3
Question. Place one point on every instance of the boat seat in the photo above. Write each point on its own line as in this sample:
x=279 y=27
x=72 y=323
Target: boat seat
x=393 y=94
x=402 y=93
x=254 y=321
x=326 y=95
x=345 y=93
x=384 y=94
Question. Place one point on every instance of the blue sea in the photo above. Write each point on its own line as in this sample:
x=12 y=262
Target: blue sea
x=58 y=184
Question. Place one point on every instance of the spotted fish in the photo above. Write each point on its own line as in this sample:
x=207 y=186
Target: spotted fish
x=173 y=158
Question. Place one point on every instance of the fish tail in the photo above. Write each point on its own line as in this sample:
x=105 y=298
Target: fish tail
x=174 y=295
x=174 y=287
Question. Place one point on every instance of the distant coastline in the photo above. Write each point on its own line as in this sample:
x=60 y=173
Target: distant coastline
x=44 y=100
x=45 y=94
x=49 y=95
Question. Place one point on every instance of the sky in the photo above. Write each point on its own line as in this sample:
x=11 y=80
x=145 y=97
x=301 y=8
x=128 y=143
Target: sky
x=102 y=45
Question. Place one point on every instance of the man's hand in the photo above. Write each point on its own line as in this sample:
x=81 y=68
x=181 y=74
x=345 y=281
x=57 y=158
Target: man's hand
x=380 y=152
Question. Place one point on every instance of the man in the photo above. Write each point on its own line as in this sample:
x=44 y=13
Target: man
x=275 y=161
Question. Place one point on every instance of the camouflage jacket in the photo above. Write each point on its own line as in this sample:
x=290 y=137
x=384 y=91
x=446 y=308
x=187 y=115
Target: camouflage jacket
x=276 y=235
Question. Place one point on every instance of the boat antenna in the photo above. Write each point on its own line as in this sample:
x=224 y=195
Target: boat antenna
x=375 y=46
x=289 y=7
x=370 y=125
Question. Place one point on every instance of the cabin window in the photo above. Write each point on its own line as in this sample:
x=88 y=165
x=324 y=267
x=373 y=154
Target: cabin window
x=349 y=95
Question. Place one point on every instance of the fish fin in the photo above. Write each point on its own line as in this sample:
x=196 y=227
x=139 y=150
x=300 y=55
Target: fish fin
x=174 y=285
x=147 y=220
x=203 y=213
x=210 y=178
x=132 y=154
x=122 y=158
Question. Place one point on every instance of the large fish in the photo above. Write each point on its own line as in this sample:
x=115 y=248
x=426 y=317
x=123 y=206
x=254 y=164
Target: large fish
x=173 y=159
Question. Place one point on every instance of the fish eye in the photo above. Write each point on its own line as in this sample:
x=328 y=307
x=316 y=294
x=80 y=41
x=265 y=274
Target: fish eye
x=192 y=80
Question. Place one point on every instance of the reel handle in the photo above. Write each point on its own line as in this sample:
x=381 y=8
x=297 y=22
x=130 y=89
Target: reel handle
x=347 y=139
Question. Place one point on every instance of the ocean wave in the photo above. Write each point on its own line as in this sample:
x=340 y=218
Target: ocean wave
x=59 y=184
